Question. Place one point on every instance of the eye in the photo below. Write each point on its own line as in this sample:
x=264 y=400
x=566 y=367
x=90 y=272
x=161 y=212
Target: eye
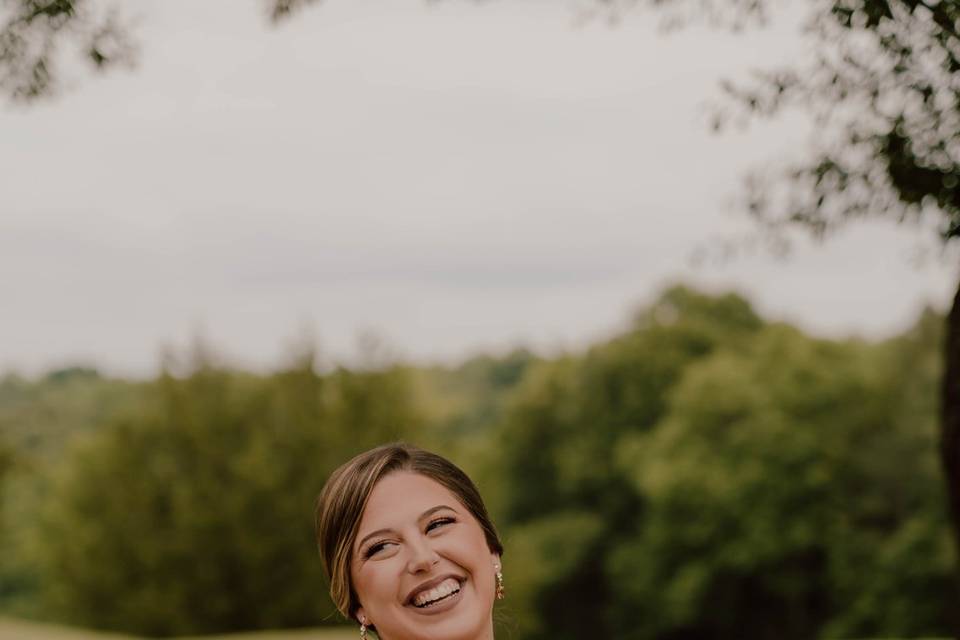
x=374 y=549
x=439 y=522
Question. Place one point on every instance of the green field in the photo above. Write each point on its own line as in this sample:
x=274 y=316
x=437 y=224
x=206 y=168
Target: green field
x=21 y=630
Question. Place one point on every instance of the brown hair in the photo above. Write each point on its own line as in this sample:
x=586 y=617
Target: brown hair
x=344 y=498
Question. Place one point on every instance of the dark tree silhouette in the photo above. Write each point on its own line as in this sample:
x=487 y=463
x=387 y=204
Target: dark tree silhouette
x=34 y=34
x=39 y=37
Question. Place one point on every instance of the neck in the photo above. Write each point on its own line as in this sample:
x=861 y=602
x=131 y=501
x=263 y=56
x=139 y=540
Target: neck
x=485 y=634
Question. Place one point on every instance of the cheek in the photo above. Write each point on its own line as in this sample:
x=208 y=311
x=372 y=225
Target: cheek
x=376 y=582
x=472 y=552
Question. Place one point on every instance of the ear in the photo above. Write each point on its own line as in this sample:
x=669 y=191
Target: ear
x=362 y=616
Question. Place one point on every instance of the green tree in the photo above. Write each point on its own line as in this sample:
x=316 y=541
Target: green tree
x=883 y=93
x=788 y=495
x=707 y=476
x=193 y=514
x=7 y=460
x=38 y=420
x=557 y=448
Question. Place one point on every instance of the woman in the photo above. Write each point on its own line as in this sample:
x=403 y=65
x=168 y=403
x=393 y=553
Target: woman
x=408 y=546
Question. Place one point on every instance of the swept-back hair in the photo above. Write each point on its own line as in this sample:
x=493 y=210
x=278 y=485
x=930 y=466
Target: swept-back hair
x=344 y=497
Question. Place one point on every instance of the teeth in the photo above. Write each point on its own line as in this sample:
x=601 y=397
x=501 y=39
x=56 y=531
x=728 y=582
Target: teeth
x=442 y=590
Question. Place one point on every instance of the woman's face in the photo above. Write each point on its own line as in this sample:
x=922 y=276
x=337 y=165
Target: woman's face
x=421 y=567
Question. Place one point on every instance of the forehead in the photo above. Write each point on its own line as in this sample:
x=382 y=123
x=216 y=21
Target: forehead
x=401 y=497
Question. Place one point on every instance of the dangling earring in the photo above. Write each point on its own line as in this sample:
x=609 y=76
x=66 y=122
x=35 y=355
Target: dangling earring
x=363 y=630
x=499 y=582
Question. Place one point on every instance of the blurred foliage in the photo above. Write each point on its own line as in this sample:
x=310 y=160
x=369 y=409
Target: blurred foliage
x=704 y=474
x=193 y=512
x=41 y=41
x=37 y=420
x=770 y=497
x=880 y=88
x=879 y=84
x=33 y=34
x=39 y=417
x=718 y=477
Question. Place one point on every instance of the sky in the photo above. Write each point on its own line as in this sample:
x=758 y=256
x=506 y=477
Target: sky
x=450 y=177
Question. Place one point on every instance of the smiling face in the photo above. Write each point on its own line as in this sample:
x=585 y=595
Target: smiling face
x=421 y=567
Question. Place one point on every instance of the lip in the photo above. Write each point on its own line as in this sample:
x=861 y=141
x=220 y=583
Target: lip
x=430 y=584
x=441 y=607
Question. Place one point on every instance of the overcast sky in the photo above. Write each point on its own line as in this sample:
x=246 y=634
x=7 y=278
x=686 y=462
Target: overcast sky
x=453 y=177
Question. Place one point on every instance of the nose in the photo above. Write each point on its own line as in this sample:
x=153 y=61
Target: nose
x=422 y=555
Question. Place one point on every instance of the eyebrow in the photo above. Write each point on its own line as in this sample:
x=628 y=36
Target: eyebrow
x=429 y=512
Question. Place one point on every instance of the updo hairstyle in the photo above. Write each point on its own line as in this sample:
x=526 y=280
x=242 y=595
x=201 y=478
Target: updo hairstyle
x=344 y=498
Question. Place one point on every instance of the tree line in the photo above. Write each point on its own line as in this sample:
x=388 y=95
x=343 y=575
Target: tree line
x=704 y=474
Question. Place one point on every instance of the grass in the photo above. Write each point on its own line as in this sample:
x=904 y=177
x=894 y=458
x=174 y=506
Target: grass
x=11 y=629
